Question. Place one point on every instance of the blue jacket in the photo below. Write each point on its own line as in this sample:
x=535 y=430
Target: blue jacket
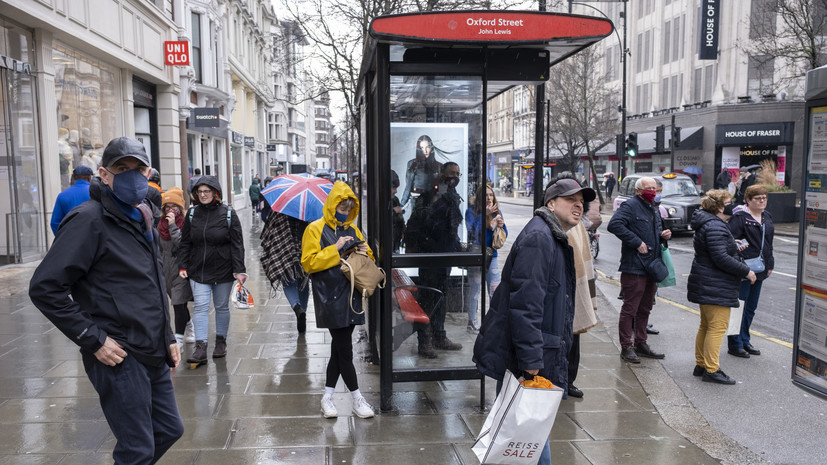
x=529 y=325
x=474 y=225
x=67 y=200
x=636 y=221
x=717 y=269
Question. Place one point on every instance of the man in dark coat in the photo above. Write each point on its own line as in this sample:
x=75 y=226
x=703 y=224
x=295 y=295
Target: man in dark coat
x=102 y=285
x=439 y=233
x=637 y=223
x=610 y=185
x=529 y=325
x=723 y=179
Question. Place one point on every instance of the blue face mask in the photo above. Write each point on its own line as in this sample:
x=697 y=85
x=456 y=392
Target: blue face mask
x=130 y=187
x=342 y=217
x=657 y=198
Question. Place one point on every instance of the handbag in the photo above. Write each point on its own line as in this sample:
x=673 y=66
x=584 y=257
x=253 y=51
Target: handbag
x=655 y=268
x=757 y=264
x=498 y=238
x=735 y=316
x=517 y=428
x=363 y=274
x=241 y=297
x=666 y=256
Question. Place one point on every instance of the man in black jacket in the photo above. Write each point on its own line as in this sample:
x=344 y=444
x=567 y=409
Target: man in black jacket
x=106 y=257
x=637 y=223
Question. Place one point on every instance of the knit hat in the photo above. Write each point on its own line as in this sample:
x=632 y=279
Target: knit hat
x=174 y=195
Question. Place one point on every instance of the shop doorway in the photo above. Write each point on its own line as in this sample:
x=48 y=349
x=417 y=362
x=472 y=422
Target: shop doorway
x=22 y=232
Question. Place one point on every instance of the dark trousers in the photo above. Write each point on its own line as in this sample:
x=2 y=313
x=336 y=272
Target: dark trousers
x=432 y=303
x=139 y=404
x=341 y=359
x=749 y=293
x=638 y=298
x=574 y=358
x=182 y=317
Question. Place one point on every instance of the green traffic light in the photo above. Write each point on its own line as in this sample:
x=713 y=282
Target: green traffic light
x=631 y=153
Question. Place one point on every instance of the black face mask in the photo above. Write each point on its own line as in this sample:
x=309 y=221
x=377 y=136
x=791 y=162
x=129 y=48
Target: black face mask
x=451 y=182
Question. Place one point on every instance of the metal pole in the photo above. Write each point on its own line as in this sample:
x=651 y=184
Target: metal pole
x=624 y=52
x=538 y=136
x=672 y=147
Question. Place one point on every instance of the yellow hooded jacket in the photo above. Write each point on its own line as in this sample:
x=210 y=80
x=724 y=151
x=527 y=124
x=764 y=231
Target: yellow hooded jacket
x=320 y=259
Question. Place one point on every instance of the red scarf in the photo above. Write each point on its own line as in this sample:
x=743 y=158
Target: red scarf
x=163 y=226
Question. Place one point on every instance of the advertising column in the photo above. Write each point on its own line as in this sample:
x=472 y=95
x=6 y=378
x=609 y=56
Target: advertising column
x=810 y=340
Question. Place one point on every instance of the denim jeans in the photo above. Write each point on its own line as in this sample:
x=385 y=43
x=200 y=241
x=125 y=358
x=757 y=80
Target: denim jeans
x=545 y=456
x=472 y=299
x=297 y=296
x=138 y=402
x=201 y=308
x=749 y=293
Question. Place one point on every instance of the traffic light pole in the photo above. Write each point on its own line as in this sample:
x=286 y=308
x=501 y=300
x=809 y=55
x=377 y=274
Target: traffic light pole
x=672 y=146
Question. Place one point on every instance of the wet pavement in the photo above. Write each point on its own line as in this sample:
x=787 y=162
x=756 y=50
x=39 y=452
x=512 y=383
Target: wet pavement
x=261 y=403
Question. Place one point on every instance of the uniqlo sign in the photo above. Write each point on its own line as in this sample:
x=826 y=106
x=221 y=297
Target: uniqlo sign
x=177 y=52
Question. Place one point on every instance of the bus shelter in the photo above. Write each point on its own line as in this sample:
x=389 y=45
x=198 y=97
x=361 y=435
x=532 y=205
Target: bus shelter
x=425 y=84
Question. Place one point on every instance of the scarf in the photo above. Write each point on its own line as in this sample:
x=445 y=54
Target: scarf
x=584 y=306
x=281 y=250
x=163 y=226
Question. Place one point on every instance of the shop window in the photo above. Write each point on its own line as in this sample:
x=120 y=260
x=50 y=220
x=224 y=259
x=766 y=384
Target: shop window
x=87 y=94
x=196 y=46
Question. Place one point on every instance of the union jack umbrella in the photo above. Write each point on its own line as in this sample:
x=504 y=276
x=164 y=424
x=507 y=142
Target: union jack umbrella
x=301 y=196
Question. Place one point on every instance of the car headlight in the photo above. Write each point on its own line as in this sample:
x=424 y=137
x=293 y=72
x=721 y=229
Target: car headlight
x=672 y=211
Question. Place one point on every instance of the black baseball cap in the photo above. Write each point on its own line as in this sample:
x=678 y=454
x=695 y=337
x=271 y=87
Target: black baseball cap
x=565 y=187
x=121 y=147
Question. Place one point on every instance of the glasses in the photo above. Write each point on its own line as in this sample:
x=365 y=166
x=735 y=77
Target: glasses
x=760 y=198
x=204 y=192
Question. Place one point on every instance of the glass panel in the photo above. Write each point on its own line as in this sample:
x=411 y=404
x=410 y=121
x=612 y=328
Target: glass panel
x=429 y=310
x=436 y=142
x=20 y=174
x=436 y=155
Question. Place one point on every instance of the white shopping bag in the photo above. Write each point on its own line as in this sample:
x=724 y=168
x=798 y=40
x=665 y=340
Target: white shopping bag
x=735 y=315
x=518 y=425
x=241 y=297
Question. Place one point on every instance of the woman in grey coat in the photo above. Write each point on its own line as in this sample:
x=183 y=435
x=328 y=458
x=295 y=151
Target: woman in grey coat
x=178 y=288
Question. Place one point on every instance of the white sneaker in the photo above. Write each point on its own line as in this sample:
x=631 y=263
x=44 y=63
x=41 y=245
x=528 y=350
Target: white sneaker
x=328 y=409
x=362 y=409
x=189 y=333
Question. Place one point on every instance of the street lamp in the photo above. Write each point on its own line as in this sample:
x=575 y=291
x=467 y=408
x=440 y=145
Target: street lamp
x=625 y=53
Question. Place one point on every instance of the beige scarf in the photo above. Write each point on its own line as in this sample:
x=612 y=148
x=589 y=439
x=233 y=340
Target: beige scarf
x=584 y=308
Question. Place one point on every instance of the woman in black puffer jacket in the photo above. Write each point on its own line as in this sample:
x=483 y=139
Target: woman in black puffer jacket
x=714 y=280
x=211 y=256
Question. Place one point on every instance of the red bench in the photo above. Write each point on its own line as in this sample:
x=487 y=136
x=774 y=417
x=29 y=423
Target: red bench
x=410 y=308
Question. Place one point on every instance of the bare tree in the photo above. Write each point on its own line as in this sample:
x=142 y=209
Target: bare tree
x=790 y=31
x=582 y=120
x=337 y=32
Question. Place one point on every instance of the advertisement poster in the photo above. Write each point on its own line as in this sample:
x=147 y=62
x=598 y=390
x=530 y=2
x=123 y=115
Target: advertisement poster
x=449 y=142
x=811 y=348
x=818 y=140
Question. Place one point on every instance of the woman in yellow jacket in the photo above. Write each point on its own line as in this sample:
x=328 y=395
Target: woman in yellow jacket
x=323 y=243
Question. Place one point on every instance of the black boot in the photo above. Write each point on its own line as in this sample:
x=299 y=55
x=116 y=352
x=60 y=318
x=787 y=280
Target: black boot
x=301 y=322
x=220 y=350
x=199 y=354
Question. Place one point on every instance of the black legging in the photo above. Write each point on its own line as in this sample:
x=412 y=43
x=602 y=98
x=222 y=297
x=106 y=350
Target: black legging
x=182 y=317
x=341 y=359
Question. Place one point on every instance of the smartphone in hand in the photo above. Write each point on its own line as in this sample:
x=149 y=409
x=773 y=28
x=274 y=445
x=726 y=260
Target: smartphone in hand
x=353 y=244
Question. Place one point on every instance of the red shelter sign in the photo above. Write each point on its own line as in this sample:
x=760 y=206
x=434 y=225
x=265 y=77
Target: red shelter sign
x=177 y=52
x=488 y=26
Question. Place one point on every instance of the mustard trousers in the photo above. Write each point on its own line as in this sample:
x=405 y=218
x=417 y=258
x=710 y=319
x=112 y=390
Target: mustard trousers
x=714 y=322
